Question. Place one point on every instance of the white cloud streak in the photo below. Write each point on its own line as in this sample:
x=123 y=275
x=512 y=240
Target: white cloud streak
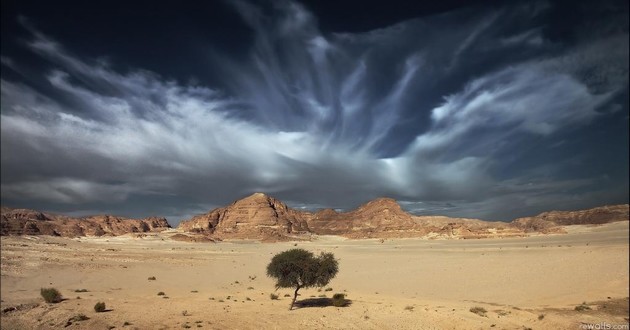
x=318 y=123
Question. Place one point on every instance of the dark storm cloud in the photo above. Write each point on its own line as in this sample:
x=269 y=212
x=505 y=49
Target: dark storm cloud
x=432 y=111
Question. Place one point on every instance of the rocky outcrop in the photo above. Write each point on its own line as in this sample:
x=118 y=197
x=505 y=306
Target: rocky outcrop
x=30 y=222
x=257 y=217
x=265 y=218
x=262 y=217
x=550 y=221
x=376 y=218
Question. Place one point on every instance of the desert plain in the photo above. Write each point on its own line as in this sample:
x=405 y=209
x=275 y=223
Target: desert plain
x=533 y=282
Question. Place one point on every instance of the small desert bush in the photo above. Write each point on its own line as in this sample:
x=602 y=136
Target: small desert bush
x=409 y=308
x=328 y=289
x=81 y=290
x=99 y=307
x=161 y=293
x=152 y=278
x=581 y=308
x=79 y=317
x=479 y=311
x=339 y=300
x=287 y=295
x=541 y=316
x=50 y=295
x=273 y=296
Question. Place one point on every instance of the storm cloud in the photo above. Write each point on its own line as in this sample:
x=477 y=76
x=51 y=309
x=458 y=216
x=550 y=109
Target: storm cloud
x=478 y=112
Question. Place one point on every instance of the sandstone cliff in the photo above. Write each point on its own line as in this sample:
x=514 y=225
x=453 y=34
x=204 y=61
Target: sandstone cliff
x=262 y=217
x=30 y=222
x=257 y=217
x=548 y=221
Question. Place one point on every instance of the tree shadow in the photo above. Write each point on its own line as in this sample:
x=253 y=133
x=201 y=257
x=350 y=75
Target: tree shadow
x=319 y=302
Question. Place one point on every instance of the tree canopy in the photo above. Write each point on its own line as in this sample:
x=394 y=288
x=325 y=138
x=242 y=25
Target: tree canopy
x=299 y=268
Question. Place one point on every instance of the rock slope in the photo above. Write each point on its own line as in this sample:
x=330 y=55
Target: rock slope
x=30 y=222
x=262 y=217
x=257 y=217
x=547 y=221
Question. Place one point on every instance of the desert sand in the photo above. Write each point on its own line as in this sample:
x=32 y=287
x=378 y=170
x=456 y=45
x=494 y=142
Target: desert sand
x=531 y=282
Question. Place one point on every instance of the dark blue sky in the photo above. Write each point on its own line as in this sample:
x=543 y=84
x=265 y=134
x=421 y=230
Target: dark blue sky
x=485 y=109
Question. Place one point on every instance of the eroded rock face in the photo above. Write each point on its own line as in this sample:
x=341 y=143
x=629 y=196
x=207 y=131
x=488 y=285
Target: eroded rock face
x=372 y=219
x=257 y=216
x=262 y=217
x=548 y=221
x=30 y=222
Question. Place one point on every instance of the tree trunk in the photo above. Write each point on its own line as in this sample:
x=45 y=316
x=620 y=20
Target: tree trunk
x=294 y=297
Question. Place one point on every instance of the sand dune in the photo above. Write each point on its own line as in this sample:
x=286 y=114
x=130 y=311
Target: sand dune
x=532 y=282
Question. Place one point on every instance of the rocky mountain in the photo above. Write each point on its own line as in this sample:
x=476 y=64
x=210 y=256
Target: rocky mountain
x=547 y=221
x=256 y=216
x=262 y=217
x=30 y=222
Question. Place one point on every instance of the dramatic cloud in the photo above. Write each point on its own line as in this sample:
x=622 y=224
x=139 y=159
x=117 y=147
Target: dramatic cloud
x=436 y=112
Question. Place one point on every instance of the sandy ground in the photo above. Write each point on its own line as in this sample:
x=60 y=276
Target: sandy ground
x=534 y=282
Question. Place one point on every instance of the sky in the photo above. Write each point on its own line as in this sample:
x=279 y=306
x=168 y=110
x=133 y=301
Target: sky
x=482 y=109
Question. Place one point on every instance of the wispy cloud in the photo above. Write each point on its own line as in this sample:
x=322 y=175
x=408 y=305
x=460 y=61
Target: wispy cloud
x=315 y=118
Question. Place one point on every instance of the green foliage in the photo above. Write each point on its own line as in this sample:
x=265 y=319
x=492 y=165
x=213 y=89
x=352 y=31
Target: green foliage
x=339 y=300
x=99 y=307
x=50 y=295
x=582 y=307
x=298 y=268
x=478 y=310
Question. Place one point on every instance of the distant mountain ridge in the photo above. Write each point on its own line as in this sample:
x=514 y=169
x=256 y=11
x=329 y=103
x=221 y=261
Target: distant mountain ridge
x=262 y=217
x=30 y=222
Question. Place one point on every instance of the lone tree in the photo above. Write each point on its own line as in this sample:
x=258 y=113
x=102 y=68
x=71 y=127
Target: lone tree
x=298 y=268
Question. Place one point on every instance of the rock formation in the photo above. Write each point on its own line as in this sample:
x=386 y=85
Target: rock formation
x=548 y=221
x=256 y=216
x=30 y=222
x=262 y=217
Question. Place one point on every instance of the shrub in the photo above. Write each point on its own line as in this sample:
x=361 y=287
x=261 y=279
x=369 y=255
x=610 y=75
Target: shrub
x=339 y=300
x=409 y=308
x=541 y=316
x=81 y=290
x=161 y=293
x=273 y=296
x=298 y=268
x=581 y=308
x=152 y=278
x=479 y=311
x=328 y=289
x=50 y=295
x=99 y=307
x=79 y=317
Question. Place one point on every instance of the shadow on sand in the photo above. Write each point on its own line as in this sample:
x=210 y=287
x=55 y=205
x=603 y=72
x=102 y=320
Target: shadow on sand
x=319 y=302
